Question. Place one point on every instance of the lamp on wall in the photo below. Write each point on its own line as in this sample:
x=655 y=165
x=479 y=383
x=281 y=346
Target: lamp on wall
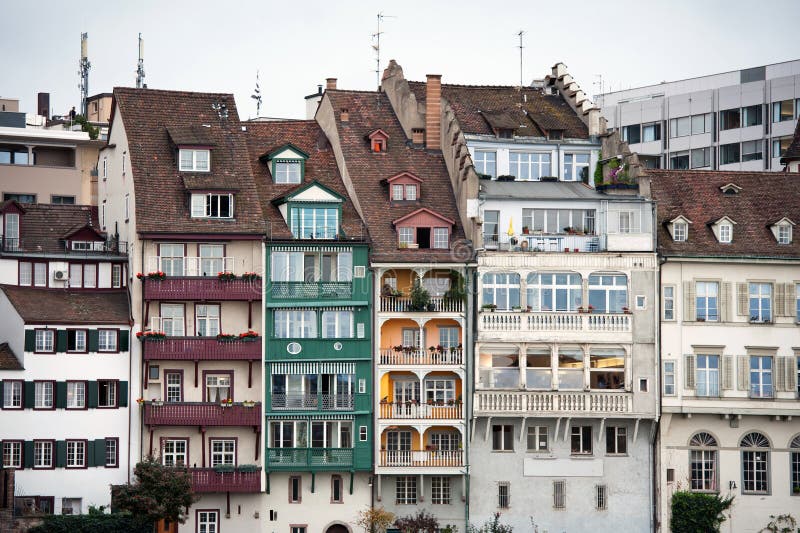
x=731 y=485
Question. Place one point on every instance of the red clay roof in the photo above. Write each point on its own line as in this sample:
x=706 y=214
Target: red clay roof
x=369 y=171
x=44 y=226
x=162 y=201
x=8 y=361
x=58 y=306
x=765 y=198
x=263 y=137
x=476 y=107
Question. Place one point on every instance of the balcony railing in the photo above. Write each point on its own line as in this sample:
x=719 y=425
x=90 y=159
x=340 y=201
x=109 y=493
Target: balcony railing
x=413 y=458
x=396 y=304
x=201 y=349
x=317 y=458
x=418 y=410
x=192 y=266
x=390 y=356
x=312 y=290
x=201 y=414
x=327 y=402
x=545 y=243
x=498 y=402
x=201 y=289
x=209 y=480
x=517 y=321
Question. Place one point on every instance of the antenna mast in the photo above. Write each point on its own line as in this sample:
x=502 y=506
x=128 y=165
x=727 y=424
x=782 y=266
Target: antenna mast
x=520 y=34
x=140 y=68
x=257 y=96
x=377 y=47
x=84 y=66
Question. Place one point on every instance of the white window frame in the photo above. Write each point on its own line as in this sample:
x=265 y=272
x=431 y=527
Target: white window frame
x=440 y=490
x=763 y=290
x=411 y=192
x=669 y=378
x=112 y=450
x=108 y=400
x=295 y=324
x=482 y=159
x=207 y=317
x=288 y=171
x=679 y=231
x=704 y=454
x=43 y=454
x=107 y=340
x=198 y=160
x=339 y=322
x=441 y=238
x=755 y=461
x=173 y=386
x=707 y=375
x=668 y=292
x=76 y=454
x=572 y=167
x=12 y=454
x=218 y=387
x=572 y=289
x=495 y=283
x=44 y=394
x=541 y=439
x=12 y=394
x=762 y=376
x=116 y=276
x=398 y=192
x=76 y=394
x=406 y=490
x=223 y=452
x=784 y=234
x=45 y=341
x=405 y=236
x=202 y=205
x=207 y=521
x=704 y=292
x=725 y=232
x=534 y=164
x=175 y=452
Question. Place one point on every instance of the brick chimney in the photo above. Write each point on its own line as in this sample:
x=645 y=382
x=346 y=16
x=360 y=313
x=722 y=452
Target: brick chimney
x=330 y=83
x=418 y=136
x=433 y=112
x=344 y=115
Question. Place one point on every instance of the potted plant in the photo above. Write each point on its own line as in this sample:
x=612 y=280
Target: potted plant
x=398 y=348
x=489 y=307
x=249 y=468
x=528 y=309
x=384 y=400
x=151 y=335
x=420 y=298
x=156 y=402
x=226 y=276
x=250 y=276
x=525 y=230
x=580 y=309
x=626 y=310
x=220 y=469
x=701 y=319
x=516 y=309
x=140 y=401
x=590 y=308
x=249 y=403
x=248 y=336
x=226 y=402
x=506 y=177
x=155 y=276
x=226 y=337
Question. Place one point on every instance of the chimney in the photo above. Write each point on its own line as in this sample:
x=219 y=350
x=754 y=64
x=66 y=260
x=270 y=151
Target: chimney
x=43 y=107
x=344 y=115
x=433 y=112
x=418 y=136
x=330 y=83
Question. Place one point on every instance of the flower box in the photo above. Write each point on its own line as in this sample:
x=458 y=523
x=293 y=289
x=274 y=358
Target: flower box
x=226 y=337
x=250 y=276
x=151 y=335
x=226 y=276
x=155 y=276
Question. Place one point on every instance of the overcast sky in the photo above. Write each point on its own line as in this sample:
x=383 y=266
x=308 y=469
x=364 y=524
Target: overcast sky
x=218 y=46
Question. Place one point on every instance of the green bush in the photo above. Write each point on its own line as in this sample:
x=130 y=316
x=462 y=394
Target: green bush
x=93 y=523
x=694 y=512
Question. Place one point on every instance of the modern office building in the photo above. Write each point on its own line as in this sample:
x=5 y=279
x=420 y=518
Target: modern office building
x=738 y=120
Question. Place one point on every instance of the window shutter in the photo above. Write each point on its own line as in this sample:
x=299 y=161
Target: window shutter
x=90 y=451
x=27 y=454
x=61 y=340
x=688 y=371
x=688 y=302
x=99 y=454
x=124 y=335
x=779 y=374
x=727 y=371
x=61 y=394
x=92 y=394
x=779 y=305
x=30 y=340
x=791 y=373
x=29 y=396
x=741 y=300
x=1 y=391
x=725 y=302
x=790 y=300
x=744 y=373
x=94 y=340
x=122 y=394
x=61 y=453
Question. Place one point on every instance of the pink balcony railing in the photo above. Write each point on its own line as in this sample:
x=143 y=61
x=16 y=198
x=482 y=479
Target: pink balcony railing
x=415 y=458
x=202 y=288
x=201 y=349
x=201 y=414
x=209 y=480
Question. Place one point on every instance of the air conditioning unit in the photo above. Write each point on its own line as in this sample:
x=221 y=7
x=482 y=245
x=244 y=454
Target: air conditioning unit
x=60 y=275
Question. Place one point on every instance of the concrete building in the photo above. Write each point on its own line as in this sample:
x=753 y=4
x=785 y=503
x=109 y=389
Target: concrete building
x=729 y=341
x=738 y=120
x=176 y=185
x=64 y=358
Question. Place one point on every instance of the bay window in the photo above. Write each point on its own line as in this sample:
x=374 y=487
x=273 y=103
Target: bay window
x=314 y=222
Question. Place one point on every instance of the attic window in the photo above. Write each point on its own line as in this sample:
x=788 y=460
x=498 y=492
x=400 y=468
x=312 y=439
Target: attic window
x=378 y=145
x=555 y=135
x=402 y=192
x=505 y=133
x=194 y=160
x=288 y=171
x=725 y=232
x=784 y=234
x=679 y=231
x=730 y=188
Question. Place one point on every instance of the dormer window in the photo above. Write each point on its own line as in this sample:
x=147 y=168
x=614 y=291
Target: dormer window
x=411 y=192
x=504 y=133
x=679 y=231
x=314 y=222
x=194 y=160
x=555 y=135
x=377 y=141
x=212 y=206
x=423 y=229
x=288 y=172
x=404 y=187
x=725 y=232
x=287 y=164
x=784 y=234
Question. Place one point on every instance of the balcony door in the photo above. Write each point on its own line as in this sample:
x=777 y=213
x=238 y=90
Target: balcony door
x=406 y=397
x=218 y=387
x=411 y=337
x=211 y=259
x=398 y=448
x=172 y=320
x=207 y=320
x=172 y=259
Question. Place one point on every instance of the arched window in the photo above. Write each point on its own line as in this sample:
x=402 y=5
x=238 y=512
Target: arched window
x=755 y=463
x=703 y=462
x=501 y=290
x=794 y=461
x=608 y=293
x=554 y=291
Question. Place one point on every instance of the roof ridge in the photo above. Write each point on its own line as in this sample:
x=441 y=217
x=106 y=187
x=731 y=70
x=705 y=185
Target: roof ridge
x=172 y=92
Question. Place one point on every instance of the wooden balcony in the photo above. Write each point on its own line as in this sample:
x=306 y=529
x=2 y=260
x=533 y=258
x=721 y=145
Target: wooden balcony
x=202 y=289
x=201 y=414
x=422 y=458
x=489 y=402
x=309 y=458
x=209 y=480
x=396 y=304
x=201 y=349
x=407 y=410
x=390 y=356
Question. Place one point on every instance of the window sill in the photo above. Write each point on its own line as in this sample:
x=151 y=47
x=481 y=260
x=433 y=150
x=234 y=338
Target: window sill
x=581 y=456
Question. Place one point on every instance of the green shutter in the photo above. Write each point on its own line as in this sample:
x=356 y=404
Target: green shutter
x=99 y=454
x=122 y=392
x=1 y=391
x=61 y=454
x=91 y=397
x=29 y=397
x=94 y=340
x=30 y=340
x=90 y=453
x=61 y=395
x=61 y=340
x=123 y=340
x=27 y=454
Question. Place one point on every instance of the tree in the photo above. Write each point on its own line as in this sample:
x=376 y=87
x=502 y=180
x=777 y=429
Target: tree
x=420 y=298
x=422 y=521
x=158 y=492
x=694 y=511
x=375 y=520
x=491 y=526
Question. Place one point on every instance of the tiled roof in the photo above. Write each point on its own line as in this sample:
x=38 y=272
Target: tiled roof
x=43 y=226
x=765 y=198
x=8 y=361
x=57 y=306
x=162 y=204
x=306 y=135
x=368 y=171
x=793 y=152
x=476 y=107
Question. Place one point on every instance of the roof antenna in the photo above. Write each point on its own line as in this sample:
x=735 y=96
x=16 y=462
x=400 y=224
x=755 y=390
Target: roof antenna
x=140 y=67
x=520 y=34
x=257 y=96
x=221 y=109
x=84 y=66
x=377 y=47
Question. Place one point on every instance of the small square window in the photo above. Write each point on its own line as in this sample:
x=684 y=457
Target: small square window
x=288 y=171
x=643 y=385
x=641 y=302
x=362 y=433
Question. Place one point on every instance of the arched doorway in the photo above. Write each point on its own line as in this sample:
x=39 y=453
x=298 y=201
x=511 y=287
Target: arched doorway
x=337 y=528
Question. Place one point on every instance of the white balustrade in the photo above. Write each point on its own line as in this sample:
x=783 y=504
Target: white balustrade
x=521 y=402
x=521 y=321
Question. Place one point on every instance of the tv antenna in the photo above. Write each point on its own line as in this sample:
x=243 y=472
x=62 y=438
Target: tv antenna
x=257 y=96
x=377 y=46
x=599 y=84
x=520 y=34
x=84 y=66
x=140 y=67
